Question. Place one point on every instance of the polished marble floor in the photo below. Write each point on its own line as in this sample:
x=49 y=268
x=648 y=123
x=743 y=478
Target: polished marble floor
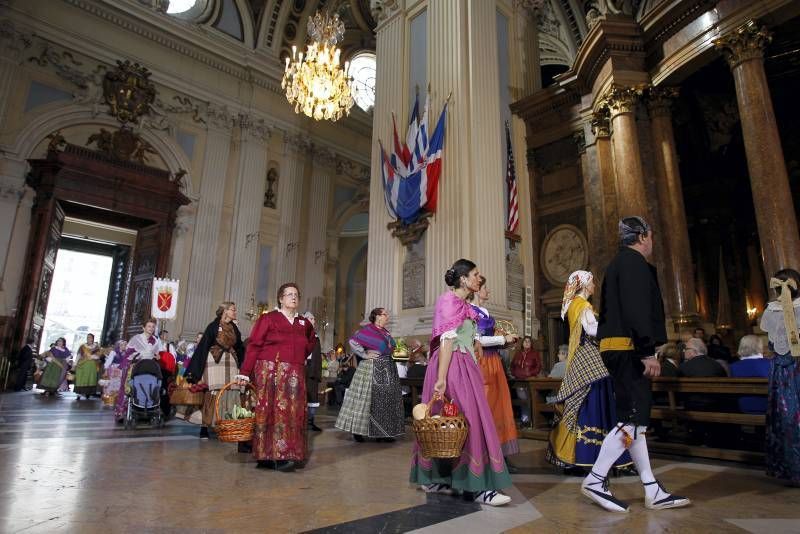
x=66 y=466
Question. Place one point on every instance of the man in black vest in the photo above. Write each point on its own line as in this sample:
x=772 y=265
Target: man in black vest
x=631 y=326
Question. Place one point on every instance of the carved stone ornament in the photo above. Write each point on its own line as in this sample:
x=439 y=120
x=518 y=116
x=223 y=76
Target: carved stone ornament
x=660 y=99
x=408 y=234
x=269 y=194
x=580 y=141
x=122 y=144
x=128 y=91
x=746 y=42
x=57 y=141
x=622 y=100
x=597 y=10
x=601 y=123
x=382 y=9
x=564 y=251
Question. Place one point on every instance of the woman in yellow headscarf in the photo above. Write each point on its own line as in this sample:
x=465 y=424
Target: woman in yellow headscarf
x=586 y=391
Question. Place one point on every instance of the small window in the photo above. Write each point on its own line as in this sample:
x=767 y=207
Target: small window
x=177 y=7
x=188 y=9
x=362 y=70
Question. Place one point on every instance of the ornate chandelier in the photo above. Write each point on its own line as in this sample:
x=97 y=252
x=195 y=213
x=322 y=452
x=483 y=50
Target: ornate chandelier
x=315 y=83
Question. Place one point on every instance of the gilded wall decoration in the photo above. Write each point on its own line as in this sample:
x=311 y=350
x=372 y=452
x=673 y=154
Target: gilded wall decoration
x=564 y=251
x=123 y=144
x=128 y=91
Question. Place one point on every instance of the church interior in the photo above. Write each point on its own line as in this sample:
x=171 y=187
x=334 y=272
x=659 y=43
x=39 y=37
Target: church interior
x=180 y=158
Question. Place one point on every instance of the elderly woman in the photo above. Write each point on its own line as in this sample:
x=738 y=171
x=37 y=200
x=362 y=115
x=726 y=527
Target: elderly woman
x=586 y=390
x=781 y=322
x=373 y=404
x=54 y=376
x=86 y=368
x=480 y=472
x=279 y=344
x=215 y=363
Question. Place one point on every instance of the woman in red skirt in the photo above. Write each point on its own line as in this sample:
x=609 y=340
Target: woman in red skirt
x=275 y=362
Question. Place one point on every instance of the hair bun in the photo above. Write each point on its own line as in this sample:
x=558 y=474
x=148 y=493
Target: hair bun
x=450 y=277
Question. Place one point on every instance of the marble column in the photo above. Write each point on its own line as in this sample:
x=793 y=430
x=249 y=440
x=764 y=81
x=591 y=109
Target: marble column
x=525 y=80
x=244 y=246
x=679 y=275
x=593 y=199
x=319 y=200
x=290 y=203
x=622 y=102
x=384 y=251
x=200 y=286
x=601 y=129
x=470 y=221
x=772 y=197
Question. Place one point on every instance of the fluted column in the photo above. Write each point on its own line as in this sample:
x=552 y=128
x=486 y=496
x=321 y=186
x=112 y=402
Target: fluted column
x=384 y=251
x=677 y=252
x=470 y=221
x=622 y=103
x=250 y=184
x=593 y=199
x=12 y=191
x=290 y=203
x=319 y=198
x=200 y=286
x=772 y=196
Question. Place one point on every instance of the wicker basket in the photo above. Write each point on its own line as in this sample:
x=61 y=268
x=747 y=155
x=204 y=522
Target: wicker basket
x=184 y=396
x=234 y=430
x=440 y=437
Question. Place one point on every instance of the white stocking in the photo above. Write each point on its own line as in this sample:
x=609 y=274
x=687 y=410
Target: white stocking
x=612 y=448
x=641 y=458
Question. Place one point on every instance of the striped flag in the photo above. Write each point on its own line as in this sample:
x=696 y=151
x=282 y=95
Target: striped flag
x=511 y=178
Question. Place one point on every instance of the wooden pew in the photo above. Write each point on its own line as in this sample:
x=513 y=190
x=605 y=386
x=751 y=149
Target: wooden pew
x=542 y=412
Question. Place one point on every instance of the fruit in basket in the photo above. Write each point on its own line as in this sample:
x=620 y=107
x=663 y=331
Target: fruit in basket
x=450 y=409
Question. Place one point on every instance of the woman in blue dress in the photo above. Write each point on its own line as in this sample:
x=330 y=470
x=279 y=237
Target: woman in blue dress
x=781 y=322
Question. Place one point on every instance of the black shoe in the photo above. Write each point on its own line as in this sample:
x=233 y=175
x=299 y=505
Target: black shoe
x=314 y=427
x=385 y=440
x=358 y=437
x=244 y=447
x=284 y=466
x=265 y=464
x=203 y=432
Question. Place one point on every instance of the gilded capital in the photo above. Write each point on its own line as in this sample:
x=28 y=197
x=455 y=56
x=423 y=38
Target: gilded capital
x=746 y=42
x=659 y=100
x=622 y=100
x=601 y=123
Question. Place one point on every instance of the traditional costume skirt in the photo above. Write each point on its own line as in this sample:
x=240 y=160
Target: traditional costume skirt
x=589 y=411
x=54 y=376
x=783 y=420
x=86 y=378
x=111 y=389
x=499 y=399
x=481 y=465
x=121 y=405
x=373 y=404
x=215 y=376
x=280 y=432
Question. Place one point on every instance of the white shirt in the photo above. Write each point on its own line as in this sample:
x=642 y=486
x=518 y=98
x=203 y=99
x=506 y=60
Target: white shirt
x=589 y=321
x=772 y=323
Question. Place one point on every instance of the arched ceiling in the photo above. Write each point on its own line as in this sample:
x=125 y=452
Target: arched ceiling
x=283 y=23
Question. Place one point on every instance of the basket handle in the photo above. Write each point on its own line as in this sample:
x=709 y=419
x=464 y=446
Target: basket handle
x=434 y=398
x=221 y=391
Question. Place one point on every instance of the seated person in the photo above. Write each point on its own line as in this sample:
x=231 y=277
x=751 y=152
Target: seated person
x=697 y=364
x=752 y=365
x=719 y=352
x=417 y=365
x=560 y=367
x=670 y=357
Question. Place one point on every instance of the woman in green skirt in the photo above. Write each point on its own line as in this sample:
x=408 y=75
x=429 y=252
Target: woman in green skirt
x=54 y=376
x=86 y=368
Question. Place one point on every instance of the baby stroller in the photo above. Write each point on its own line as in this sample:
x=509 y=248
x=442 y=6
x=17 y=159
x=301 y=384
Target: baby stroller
x=144 y=399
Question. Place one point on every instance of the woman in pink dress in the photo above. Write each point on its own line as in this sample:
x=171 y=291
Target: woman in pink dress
x=480 y=472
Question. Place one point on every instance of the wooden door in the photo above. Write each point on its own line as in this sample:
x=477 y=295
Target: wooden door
x=117 y=293
x=41 y=292
x=146 y=257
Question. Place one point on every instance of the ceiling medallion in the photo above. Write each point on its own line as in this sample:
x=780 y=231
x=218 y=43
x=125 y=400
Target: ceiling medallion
x=314 y=82
x=128 y=91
